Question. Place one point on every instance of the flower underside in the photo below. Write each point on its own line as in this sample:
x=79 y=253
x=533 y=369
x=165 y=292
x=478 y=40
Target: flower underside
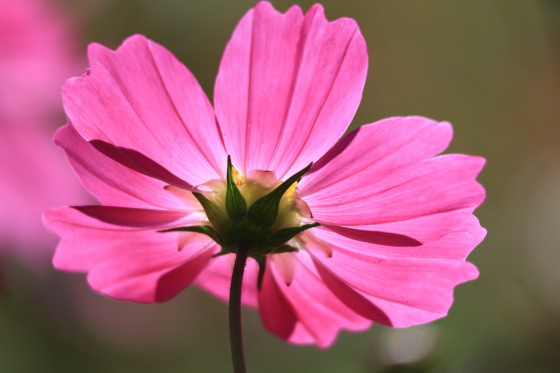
x=256 y=214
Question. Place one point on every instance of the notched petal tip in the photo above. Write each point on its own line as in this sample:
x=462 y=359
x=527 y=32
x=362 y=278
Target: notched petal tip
x=95 y=49
x=60 y=135
x=470 y=272
x=479 y=161
x=263 y=7
x=47 y=218
x=316 y=69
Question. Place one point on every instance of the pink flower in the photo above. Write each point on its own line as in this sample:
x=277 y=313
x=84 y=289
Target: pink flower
x=33 y=177
x=389 y=223
x=36 y=53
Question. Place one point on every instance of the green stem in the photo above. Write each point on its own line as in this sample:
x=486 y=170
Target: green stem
x=235 y=333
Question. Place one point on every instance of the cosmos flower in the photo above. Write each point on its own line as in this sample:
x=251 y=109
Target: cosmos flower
x=34 y=176
x=377 y=229
x=37 y=52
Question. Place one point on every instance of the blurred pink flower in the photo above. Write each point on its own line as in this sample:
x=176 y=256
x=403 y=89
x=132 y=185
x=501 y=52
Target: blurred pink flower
x=37 y=52
x=396 y=221
x=34 y=176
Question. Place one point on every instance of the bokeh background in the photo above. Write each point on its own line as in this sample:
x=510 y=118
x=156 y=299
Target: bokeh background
x=491 y=67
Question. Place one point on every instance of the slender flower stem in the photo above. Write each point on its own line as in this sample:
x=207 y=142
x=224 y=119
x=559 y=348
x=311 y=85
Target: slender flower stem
x=235 y=333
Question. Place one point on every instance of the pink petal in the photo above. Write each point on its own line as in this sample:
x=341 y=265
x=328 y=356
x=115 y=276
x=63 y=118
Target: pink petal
x=138 y=162
x=109 y=181
x=415 y=231
x=288 y=87
x=375 y=236
x=352 y=298
x=418 y=229
x=406 y=289
x=442 y=184
x=385 y=173
x=141 y=101
x=285 y=265
x=277 y=313
x=316 y=308
x=133 y=217
x=216 y=279
x=318 y=246
x=150 y=282
x=301 y=336
x=127 y=262
x=376 y=149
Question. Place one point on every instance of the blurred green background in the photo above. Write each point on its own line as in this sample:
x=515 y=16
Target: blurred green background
x=490 y=67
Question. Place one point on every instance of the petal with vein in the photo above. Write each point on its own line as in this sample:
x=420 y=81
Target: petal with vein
x=288 y=87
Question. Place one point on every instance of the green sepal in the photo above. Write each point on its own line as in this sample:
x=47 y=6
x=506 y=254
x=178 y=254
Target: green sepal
x=204 y=229
x=224 y=251
x=282 y=236
x=284 y=249
x=235 y=203
x=213 y=212
x=261 y=261
x=264 y=211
